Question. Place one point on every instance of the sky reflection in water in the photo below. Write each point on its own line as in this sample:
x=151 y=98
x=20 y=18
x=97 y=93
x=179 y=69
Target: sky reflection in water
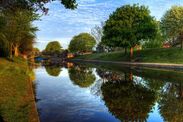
x=82 y=94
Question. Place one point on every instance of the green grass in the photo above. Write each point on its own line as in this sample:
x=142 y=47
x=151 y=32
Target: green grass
x=16 y=98
x=159 y=55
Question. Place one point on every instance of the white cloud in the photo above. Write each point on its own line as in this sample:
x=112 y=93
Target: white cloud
x=63 y=24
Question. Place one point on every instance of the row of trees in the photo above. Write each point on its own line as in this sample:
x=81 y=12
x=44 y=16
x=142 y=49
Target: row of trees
x=16 y=31
x=17 y=34
x=132 y=25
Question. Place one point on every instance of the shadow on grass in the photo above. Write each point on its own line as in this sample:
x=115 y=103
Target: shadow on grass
x=1 y=118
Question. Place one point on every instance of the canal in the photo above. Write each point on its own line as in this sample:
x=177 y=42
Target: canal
x=108 y=93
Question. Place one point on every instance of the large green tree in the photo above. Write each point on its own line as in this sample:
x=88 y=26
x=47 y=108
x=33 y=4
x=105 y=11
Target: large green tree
x=53 y=47
x=128 y=25
x=156 y=42
x=83 y=42
x=18 y=29
x=172 y=24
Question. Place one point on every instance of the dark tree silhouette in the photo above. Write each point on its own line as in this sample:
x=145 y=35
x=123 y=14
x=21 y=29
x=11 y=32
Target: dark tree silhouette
x=126 y=100
x=171 y=103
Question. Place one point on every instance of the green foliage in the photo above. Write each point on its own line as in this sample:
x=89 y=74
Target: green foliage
x=53 y=70
x=154 y=43
x=128 y=25
x=83 y=42
x=53 y=47
x=171 y=104
x=37 y=4
x=172 y=22
x=36 y=49
x=123 y=97
x=18 y=32
x=82 y=76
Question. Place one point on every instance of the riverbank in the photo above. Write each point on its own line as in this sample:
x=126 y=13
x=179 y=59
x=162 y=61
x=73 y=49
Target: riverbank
x=159 y=55
x=17 y=101
x=133 y=64
x=171 y=58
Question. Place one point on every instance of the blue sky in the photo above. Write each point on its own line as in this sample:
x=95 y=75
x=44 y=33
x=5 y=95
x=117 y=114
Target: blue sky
x=62 y=24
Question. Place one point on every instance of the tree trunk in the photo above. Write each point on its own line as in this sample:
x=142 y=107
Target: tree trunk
x=11 y=46
x=131 y=52
x=181 y=39
x=16 y=51
x=180 y=91
x=131 y=76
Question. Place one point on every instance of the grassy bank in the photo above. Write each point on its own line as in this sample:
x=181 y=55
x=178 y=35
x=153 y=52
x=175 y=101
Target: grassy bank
x=171 y=55
x=16 y=97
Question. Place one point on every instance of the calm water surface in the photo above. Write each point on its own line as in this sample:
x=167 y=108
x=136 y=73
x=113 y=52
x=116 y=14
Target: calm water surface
x=109 y=94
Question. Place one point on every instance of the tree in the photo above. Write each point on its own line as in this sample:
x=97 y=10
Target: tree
x=97 y=32
x=36 y=5
x=171 y=103
x=82 y=76
x=157 y=42
x=18 y=29
x=53 y=70
x=18 y=16
x=53 y=47
x=128 y=25
x=172 y=24
x=126 y=100
x=83 y=42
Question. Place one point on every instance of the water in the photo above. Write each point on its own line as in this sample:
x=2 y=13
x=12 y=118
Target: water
x=108 y=94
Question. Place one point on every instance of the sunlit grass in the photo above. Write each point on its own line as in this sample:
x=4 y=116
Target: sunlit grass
x=16 y=99
x=159 y=55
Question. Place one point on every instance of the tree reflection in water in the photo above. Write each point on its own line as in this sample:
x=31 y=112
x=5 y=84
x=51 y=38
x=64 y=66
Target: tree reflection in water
x=131 y=94
x=171 y=103
x=53 y=70
x=125 y=99
x=82 y=76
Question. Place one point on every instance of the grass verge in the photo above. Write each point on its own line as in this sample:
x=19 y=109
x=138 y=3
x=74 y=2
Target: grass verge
x=16 y=96
x=159 y=55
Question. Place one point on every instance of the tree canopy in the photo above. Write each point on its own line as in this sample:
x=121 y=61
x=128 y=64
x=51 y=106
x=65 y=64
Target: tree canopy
x=53 y=47
x=156 y=42
x=36 y=5
x=128 y=25
x=83 y=42
x=172 y=24
x=17 y=32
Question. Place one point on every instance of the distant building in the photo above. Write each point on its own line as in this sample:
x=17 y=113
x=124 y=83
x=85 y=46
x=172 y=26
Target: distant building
x=166 y=45
x=70 y=55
